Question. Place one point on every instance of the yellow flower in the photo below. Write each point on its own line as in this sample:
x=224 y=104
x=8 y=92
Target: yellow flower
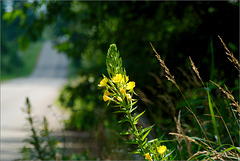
x=122 y=90
x=130 y=85
x=119 y=99
x=117 y=78
x=161 y=149
x=103 y=82
x=128 y=96
x=107 y=93
x=147 y=156
x=105 y=98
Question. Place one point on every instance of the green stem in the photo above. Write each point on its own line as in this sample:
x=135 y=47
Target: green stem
x=136 y=130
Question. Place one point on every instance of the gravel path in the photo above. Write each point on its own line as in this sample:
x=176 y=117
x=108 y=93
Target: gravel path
x=42 y=88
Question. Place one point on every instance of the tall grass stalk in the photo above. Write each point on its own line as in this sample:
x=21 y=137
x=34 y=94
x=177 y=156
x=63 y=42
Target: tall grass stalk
x=210 y=104
x=172 y=79
x=210 y=152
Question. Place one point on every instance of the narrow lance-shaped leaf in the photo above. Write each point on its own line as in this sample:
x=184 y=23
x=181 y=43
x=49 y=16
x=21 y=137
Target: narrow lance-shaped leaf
x=139 y=115
x=125 y=120
x=145 y=141
x=145 y=135
x=132 y=142
x=126 y=133
x=130 y=106
x=135 y=121
x=147 y=128
x=169 y=154
x=138 y=151
x=131 y=110
x=119 y=112
x=213 y=118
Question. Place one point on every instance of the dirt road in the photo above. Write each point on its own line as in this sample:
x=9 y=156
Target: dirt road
x=42 y=88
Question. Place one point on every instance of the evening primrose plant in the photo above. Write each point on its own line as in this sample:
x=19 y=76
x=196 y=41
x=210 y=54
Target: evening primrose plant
x=120 y=91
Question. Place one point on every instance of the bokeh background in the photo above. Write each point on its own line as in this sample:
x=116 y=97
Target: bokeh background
x=83 y=31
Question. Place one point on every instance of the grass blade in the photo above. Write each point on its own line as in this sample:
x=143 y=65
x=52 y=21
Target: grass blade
x=213 y=118
x=212 y=61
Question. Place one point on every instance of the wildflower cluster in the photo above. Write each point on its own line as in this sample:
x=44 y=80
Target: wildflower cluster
x=156 y=151
x=120 y=90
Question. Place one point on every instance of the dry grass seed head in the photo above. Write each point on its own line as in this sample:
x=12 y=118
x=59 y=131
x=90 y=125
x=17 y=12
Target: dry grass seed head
x=195 y=80
x=190 y=79
x=184 y=136
x=180 y=131
x=198 y=153
x=162 y=63
x=178 y=123
x=230 y=153
x=231 y=58
x=196 y=70
x=228 y=94
x=214 y=155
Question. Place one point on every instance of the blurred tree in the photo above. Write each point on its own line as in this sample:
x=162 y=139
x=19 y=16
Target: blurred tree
x=12 y=63
x=177 y=29
x=10 y=58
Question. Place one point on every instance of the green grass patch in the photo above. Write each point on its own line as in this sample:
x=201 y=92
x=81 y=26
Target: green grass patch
x=29 y=59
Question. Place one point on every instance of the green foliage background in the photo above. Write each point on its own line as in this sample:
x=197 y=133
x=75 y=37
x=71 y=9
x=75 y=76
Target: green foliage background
x=178 y=29
x=14 y=61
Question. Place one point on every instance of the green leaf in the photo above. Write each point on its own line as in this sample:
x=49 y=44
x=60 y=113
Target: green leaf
x=125 y=120
x=131 y=105
x=145 y=135
x=150 y=141
x=169 y=154
x=131 y=110
x=204 y=140
x=135 y=122
x=119 y=112
x=138 y=151
x=132 y=141
x=135 y=118
x=147 y=128
x=145 y=141
x=126 y=133
x=160 y=138
x=213 y=118
x=231 y=148
x=172 y=158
